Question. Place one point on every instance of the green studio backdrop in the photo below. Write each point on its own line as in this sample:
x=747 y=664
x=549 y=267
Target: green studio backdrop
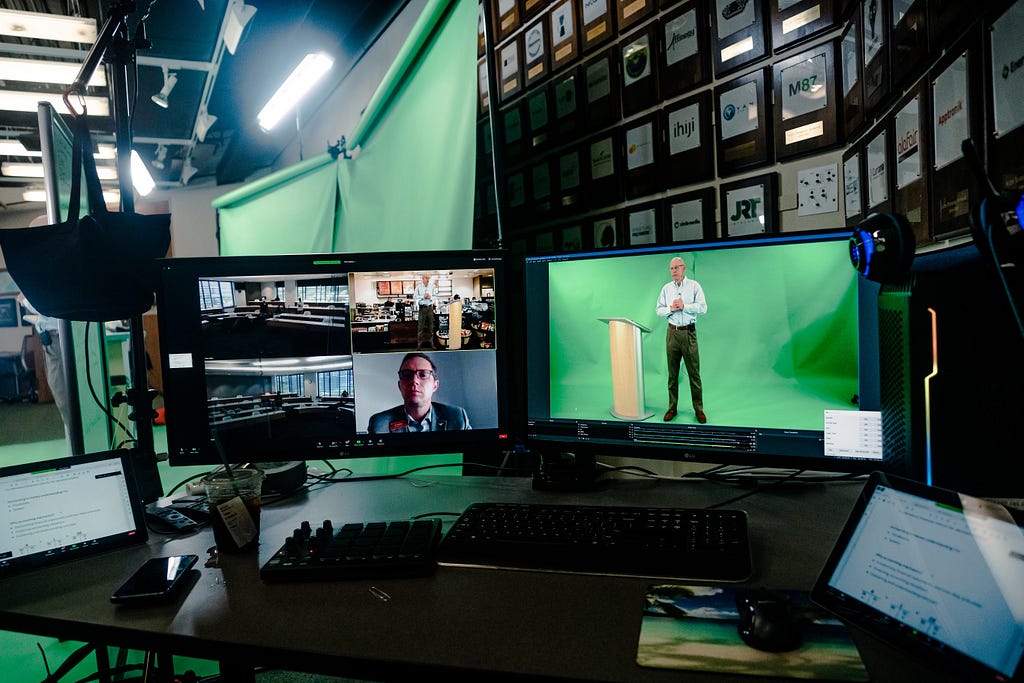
x=778 y=343
x=410 y=183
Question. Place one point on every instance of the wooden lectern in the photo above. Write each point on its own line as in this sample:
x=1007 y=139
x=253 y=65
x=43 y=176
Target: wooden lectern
x=455 y=325
x=627 y=369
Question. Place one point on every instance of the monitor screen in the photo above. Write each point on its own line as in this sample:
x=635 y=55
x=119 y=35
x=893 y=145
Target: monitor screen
x=290 y=357
x=775 y=344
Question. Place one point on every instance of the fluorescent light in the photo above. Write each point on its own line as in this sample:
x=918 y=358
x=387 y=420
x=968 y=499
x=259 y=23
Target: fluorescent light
x=38 y=71
x=16 y=170
x=105 y=152
x=311 y=69
x=13 y=148
x=47 y=26
x=109 y=196
x=11 y=100
x=238 y=16
x=141 y=178
x=170 y=79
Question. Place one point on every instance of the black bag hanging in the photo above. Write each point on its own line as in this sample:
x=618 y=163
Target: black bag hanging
x=99 y=267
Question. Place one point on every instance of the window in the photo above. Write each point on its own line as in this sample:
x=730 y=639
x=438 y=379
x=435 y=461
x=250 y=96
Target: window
x=312 y=293
x=216 y=294
x=334 y=382
x=288 y=384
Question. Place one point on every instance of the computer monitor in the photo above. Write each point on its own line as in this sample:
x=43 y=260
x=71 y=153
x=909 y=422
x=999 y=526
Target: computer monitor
x=292 y=357
x=787 y=351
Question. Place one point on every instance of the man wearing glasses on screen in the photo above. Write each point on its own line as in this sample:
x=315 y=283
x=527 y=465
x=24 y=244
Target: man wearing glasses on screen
x=417 y=381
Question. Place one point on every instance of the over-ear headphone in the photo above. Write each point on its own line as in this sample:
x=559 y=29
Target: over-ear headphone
x=882 y=247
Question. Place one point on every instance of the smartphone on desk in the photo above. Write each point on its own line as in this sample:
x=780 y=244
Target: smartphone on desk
x=157 y=580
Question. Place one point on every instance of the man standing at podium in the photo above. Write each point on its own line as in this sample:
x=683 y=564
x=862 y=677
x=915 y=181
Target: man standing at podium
x=424 y=296
x=680 y=302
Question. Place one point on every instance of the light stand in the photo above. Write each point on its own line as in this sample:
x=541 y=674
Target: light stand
x=114 y=44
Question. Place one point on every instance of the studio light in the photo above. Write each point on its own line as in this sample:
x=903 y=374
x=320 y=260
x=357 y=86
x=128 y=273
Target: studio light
x=310 y=70
x=38 y=71
x=141 y=178
x=238 y=16
x=187 y=171
x=170 y=79
x=204 y=121
x=47 y=26
x=11 y=100
x=882 y=247
x=161 y=157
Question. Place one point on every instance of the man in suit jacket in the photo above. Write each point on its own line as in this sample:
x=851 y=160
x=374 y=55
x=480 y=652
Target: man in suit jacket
x=417 y=382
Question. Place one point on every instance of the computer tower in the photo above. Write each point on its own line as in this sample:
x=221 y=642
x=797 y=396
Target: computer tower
x=951 y=373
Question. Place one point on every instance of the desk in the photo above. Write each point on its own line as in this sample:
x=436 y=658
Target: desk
x=458 y=623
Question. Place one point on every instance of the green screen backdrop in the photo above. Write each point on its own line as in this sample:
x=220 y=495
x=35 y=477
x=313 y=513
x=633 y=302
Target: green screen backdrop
x=777 y=345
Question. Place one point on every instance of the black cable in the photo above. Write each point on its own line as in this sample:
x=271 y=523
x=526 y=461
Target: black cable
x=42 y=652
x=754 y=491
x=379 y=477
x=92 y=389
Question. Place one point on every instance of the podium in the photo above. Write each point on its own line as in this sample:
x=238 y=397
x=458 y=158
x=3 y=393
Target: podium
x=627 y=369
x=455 y=325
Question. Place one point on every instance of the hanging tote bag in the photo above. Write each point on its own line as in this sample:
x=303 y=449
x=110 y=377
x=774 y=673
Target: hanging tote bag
x=97 y=267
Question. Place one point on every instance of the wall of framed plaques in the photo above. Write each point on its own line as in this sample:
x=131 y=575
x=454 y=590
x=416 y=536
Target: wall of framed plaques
x=611 y=123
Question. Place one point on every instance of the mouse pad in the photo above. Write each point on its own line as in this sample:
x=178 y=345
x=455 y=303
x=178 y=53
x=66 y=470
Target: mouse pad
x=695 y=628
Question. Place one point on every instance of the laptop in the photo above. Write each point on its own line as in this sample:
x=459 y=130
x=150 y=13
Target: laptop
x=935 y=573
x=64 y=509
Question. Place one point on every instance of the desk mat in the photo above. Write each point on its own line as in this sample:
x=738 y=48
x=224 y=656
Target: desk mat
x=695 y=628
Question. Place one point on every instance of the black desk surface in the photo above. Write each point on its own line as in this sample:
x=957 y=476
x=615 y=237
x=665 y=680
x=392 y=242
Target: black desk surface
x=458 y=623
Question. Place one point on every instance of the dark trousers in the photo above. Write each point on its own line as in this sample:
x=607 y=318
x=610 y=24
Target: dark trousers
x=425 y=326
x=681 y=345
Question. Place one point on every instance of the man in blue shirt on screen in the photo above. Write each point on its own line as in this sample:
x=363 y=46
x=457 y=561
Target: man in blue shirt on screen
x=680 y=302
x=417 y=382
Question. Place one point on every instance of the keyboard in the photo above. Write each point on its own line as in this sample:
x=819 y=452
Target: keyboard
x=356 y=550
x=670 y=543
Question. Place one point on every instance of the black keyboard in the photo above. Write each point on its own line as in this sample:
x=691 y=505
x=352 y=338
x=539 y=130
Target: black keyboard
x=671 y=543
x=356 y=551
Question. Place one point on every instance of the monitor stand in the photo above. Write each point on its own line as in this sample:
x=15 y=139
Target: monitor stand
x=566 y=471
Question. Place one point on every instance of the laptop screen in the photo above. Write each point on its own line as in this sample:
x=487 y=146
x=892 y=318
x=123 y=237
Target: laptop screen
x=935 y=571
x=67 y=508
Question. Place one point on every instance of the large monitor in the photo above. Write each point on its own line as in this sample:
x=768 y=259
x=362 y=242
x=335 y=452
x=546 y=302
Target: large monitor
x=292 y=357
x=787 y=350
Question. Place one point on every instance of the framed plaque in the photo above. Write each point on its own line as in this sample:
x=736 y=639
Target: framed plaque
x=878 y=169
x=956 y=94
x=642 y=223
x=532 y=7
x=538 y=117
x=743 y=132
x=481 y=31
x=689 y=141
x=564 y=36
x=851 y=69
x=945 y=19
x=738 y=34
x=909 y=40
x=510 y=75
x=910 y=126
x=639 y=71
x=506 y=18
x=605 y=163
x=689 y=216
x=750 y=206
x=1005 y=83
x=683 y=50
x=628 y=13
x=795 y=21
x=601 y=88
x=570 y=180
x=543 y=242
x=483 y=95
x=516 y=194
x=806 y=110
x=854 y=202
x=513 y=132
x=536 y=48
x=875 y=52
x=598 y=23
x=484 y=146
x=572 y=238
x=644 y=163
x=606 y=230
x=817 y=190
x=567 y=102
x=542 y=192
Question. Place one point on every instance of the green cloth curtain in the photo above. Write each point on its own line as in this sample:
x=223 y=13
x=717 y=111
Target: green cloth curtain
x=410 y=185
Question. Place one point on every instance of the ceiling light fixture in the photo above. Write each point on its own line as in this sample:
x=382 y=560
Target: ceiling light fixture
x=170 y=79
x=111 y=197
x=14 y=148
x=11 y=100
x=141 y=178
x=204 y=121
x=202 y=5
x=38 y=71
x=161 y=157
x=301 y=80
x=238 y=15
x=26 y=170
x=187 y=171
x=47 y=26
